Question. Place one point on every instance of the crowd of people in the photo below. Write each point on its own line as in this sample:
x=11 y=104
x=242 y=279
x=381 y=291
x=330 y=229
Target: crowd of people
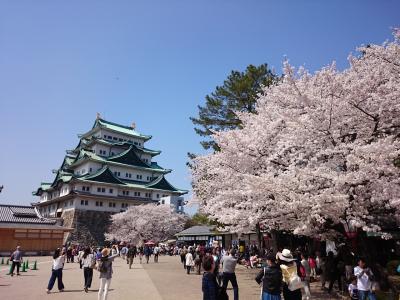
x=284 y=273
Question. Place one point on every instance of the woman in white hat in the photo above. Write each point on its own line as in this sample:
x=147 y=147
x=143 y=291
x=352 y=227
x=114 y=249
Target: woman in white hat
x=291 y=280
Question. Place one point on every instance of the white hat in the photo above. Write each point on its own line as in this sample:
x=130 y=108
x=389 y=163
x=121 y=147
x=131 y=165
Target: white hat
x=286 y=255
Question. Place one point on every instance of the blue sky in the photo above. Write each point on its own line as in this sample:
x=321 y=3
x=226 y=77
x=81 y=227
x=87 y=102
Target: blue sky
x=151 y=62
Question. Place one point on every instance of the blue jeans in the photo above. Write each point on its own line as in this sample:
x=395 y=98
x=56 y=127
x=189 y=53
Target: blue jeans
x=363 y=295
x=56 y=274
x=232 y=278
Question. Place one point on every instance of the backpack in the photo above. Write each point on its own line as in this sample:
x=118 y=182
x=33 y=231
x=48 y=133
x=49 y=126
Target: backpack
x=102 y=267
x=303 y=273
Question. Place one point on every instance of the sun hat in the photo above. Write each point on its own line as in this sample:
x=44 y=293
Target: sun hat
x=286 y=255
x=105 y=252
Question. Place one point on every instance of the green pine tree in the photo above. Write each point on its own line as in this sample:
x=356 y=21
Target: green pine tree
x=237 y=94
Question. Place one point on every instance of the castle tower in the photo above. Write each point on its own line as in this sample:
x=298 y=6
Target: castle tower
x=109 y=170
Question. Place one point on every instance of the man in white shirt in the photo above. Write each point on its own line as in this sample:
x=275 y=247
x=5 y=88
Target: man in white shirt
x=364 y=283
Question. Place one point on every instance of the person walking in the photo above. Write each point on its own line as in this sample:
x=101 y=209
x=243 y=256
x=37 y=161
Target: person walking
x=140 y=250
x=364 y=280
x=228 y=270
x=56 y=271
x=106 y=271
x=16 y=259
x=130 y=256
x=307 y=274
x=183 y=253
x=291 y=280
x=156 y=252
x=189 y=262
x=147 y=253
x=198 y=261
x=124 y=252
x=332 y=271
x=80 y=255
x=88 y=263
x=271 y=279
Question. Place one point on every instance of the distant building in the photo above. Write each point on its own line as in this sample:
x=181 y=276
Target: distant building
x=109 y=170
x=200 y=235
x=175 y=202
x=24 y=226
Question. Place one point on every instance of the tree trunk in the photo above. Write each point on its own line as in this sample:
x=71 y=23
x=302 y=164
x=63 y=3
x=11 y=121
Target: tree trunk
x=259 y=237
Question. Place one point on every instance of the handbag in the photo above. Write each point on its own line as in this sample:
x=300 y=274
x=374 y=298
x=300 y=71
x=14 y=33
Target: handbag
x=93 y=263
x=295 y=283
x=222 y=294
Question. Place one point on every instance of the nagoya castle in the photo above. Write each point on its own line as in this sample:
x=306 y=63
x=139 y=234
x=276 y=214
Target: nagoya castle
x=109 y=170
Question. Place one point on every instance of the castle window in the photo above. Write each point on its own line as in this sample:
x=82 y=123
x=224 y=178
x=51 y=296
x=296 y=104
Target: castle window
x=138 y=176
x=115 y=139
x=120 y=139
x=90 y=170
x=110 y=137
x=111 y=191
x=105 y=136
x=135 y=143
x=111 y=204
x=158 y=195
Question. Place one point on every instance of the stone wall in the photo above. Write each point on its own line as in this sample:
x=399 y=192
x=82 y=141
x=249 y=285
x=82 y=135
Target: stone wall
x=89 y=226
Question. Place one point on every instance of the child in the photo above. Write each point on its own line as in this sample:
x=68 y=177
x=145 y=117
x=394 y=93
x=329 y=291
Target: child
x=353 y=288
x=313 y=267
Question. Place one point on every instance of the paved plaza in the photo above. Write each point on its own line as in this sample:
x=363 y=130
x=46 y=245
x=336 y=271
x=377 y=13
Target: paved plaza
x=165 y=280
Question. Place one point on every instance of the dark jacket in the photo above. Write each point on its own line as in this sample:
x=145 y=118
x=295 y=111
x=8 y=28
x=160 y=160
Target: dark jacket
x=209 y=286
x=272 y=280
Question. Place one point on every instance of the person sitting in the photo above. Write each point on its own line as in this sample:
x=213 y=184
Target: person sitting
x=253 y=261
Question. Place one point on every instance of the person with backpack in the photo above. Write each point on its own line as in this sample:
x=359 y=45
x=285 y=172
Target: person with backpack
x=292 y=283
x=131 y=255
x=105 y=269
x=56 y=271
x=88 y=263
x=271 y=279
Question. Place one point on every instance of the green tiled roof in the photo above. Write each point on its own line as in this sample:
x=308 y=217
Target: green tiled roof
x=103 y=175
x=127 y=157
x=122 y=129
x=126 y=143
x=162 y=184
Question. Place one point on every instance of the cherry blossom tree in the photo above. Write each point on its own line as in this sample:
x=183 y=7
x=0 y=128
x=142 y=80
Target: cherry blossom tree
x=321 y=154
x=145 y=222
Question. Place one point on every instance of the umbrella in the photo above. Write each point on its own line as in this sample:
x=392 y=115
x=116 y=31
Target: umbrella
x=149 y=243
